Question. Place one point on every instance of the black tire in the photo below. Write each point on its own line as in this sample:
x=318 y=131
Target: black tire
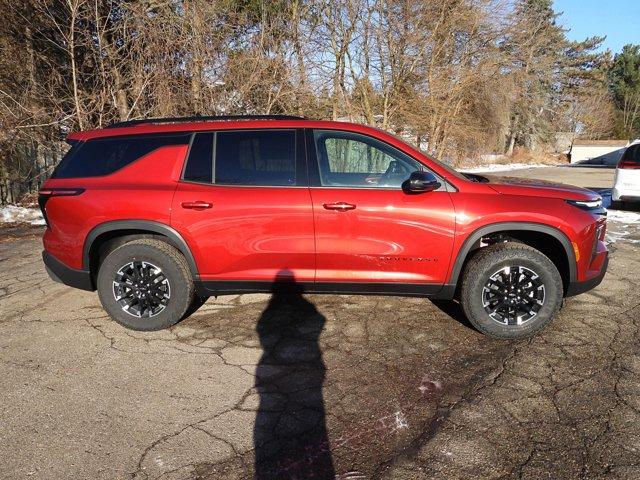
x=174 y=269
x=493 y=260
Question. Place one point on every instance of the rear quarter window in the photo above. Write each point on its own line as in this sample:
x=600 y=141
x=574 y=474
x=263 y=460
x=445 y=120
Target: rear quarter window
x=103 y=156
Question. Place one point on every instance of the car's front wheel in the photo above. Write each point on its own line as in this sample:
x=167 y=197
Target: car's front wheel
x=146 y=285
x=510 y=290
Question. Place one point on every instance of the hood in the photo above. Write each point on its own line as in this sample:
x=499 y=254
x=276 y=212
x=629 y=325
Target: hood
x=539 y=188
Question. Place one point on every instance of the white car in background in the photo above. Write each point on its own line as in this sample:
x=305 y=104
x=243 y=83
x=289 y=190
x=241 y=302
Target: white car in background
x=626 y=183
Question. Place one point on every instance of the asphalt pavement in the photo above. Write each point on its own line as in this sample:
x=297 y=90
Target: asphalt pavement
x=318 y=386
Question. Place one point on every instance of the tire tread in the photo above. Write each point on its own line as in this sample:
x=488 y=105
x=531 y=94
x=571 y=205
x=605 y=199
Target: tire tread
x=185 y=273
x=495 y=254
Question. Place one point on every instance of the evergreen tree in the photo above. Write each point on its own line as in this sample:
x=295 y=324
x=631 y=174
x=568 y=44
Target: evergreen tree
x=548 y=71
x=624 y=82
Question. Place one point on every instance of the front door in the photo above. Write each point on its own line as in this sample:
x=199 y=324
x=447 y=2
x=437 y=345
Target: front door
x=244 y=208
x=368 y=230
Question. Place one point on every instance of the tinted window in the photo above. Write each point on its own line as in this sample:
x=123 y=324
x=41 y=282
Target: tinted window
x=354 y=160
x=263 y=158
x=103 y=156
x=199 y=164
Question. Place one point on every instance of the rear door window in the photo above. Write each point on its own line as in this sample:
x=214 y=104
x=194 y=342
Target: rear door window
x=199 y=166
x=103 y=156
x=255 y=157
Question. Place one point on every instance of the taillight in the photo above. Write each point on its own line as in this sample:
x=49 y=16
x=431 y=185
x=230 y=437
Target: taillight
x=46 y=193
x=628 y=164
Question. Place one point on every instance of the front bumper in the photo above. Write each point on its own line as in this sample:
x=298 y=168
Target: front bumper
x=576 y=288
x=61 y=273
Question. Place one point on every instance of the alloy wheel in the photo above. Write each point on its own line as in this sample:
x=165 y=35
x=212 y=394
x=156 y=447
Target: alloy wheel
x=141 y=289
x=513 y=295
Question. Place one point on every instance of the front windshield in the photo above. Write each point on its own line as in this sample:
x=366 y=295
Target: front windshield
x=449 y=168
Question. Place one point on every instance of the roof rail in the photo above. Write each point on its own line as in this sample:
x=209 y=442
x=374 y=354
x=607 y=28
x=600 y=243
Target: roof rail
x=143 y=121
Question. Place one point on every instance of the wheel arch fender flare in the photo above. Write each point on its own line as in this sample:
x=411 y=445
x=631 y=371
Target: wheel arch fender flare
x=485 y=230
x=150 y=226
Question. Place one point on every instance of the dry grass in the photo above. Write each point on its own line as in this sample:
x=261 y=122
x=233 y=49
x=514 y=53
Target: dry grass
x=520 y=156
x=523 y=155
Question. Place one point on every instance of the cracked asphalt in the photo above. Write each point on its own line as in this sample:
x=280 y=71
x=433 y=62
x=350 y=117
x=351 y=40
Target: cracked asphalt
x=312 y=386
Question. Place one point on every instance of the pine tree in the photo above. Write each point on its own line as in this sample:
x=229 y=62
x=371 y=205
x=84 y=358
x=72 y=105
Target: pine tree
x=624 y=82
x=548 y=71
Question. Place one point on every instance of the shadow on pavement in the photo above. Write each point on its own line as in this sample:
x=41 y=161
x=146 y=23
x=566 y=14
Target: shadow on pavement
x=290 y=433
x=592 y=163
x=454 y=310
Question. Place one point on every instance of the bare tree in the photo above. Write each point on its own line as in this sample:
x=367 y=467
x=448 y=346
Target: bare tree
x=460 y=77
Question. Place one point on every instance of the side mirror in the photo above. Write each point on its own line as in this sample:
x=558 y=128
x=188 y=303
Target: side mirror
x=420 y=182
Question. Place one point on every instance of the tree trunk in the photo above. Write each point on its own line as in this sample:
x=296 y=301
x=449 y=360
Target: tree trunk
x=73 y=8
x=512 y=136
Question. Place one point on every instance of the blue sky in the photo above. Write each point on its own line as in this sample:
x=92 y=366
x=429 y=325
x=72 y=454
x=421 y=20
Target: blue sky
x=619 y=20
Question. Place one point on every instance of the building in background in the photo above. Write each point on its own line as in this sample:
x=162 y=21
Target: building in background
x=597 y=152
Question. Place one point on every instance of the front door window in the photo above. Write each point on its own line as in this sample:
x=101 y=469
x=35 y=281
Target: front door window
x=349 y=159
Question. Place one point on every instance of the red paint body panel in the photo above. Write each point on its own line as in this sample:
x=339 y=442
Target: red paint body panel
x=142 y=190
x=253 y=233
x=389 y=236
x=475 y=210
x=249 y=233
x=539 y=188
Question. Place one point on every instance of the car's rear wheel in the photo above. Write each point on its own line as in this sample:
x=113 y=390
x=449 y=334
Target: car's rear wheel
x=510 y=290
x=146 y=285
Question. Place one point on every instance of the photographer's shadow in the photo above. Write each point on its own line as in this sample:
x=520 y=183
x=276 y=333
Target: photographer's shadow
x=290 y=434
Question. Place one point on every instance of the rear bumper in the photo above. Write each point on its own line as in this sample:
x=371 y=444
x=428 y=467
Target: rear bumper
x=628 y=198
x=625 y=194
x=61 y=273
x=576 y=288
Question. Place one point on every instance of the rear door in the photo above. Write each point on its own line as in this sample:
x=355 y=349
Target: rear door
x=368 y=230
x=243 y=206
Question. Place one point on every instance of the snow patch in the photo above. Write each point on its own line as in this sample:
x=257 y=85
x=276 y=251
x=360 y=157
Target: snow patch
x=615 y=236
x=401 y=421
x=18 y=214
x=622 y=224
x=623 y=216
x=499 y=167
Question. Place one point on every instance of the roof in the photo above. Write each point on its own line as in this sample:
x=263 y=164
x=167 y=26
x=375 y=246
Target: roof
x=203 y=124
x=200 y=118
x=600 y=143
x=191 y=124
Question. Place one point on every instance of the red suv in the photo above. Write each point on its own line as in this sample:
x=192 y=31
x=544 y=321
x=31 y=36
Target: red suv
x=159 y=214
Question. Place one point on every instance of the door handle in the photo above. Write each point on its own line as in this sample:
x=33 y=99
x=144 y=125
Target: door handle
x=340 y=206
x=198 y=205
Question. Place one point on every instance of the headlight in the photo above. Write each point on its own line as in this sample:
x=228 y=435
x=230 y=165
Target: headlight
x=586 y=204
